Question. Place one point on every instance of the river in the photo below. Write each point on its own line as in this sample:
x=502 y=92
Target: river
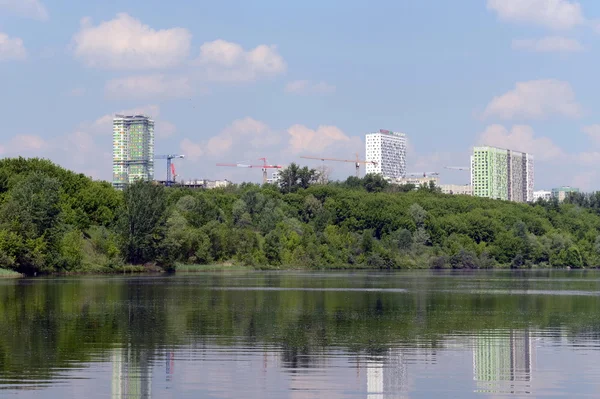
x=302 y=335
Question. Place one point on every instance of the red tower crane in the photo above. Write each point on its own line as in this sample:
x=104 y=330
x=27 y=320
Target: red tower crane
x=173 y=173
x=264 y=167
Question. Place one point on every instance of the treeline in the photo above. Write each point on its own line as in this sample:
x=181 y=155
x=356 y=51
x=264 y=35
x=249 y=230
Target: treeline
x=53 y=220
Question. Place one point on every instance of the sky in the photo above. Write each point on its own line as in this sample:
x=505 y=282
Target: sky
x=237 y=80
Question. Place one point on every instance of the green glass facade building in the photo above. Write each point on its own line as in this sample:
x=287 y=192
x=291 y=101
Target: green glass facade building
x=133 y=149
x=502 y=174
x=561 y=193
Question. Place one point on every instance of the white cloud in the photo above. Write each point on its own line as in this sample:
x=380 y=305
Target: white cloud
x=164 y=129
x=11 y=48
x=521 y=138
x=555 y=14
x=229 y=62
x=551 y=44
x=191 y=150
x=585 y=180
x=246 y=140
x=23 y=145
x=303 y=138
x=246 y=134
x=593 y=132
x=27 y=8
x=588 y=157
x=535 y=99
x=145 y=86
x=126 y=43
x=103 y=125
x=307 y=87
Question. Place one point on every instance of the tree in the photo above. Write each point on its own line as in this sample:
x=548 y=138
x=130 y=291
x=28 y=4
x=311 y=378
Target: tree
x=323 y=173
x=374 y=183
x=418 y=214
x=404 y=240
x=294 y=178
x=33 y=215
x=34 y=205
x=143 y=220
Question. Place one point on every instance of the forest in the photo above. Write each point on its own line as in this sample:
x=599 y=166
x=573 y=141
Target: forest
x=55 y=221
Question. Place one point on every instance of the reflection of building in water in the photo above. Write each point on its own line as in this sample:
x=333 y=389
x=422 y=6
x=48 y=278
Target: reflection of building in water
x=132 y=374
x=503 y=356
x=386 y=376
x=170 y=365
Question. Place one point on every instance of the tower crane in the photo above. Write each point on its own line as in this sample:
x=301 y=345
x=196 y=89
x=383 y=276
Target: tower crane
x=425 y=174
x=173 y=173
x=463 y=168
x=170 y=169
x=265 y=166
x=357 y=162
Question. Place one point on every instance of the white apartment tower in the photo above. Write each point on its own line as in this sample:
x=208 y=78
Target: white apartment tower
x=133 y=149
x=388 y=150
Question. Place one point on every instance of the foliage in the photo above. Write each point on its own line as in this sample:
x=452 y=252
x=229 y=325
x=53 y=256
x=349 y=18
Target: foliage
x=52 y=220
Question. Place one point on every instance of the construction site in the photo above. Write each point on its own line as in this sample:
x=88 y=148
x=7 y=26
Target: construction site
x=492 y=172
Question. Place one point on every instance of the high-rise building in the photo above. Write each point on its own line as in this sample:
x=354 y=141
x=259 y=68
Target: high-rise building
x=502 y=174
x=388 y=150
x=561 y=193
x=133 y=149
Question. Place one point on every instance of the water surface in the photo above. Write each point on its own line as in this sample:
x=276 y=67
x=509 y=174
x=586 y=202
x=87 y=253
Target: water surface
x=302 y=335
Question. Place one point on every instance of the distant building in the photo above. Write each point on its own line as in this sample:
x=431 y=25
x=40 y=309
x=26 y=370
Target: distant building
x=418 y=181
x=133 y=149
x=206 y=184
x=542 y=194
x=388 y=150
x=275 y=177
x=561 y=193
x=457 y=189
x=502 y=174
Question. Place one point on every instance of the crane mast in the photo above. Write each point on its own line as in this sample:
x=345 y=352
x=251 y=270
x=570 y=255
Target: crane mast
x=170 y=169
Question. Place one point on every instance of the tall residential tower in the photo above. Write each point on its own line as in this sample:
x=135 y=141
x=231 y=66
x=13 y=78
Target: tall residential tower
x=502 y=174
x=133 y=149
x=388 y=150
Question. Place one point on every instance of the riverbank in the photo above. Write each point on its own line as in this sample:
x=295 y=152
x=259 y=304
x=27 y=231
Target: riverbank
x=9 y=274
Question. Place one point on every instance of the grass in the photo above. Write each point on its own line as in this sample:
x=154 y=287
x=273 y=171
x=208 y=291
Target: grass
x=210 y=268
x=4 y=273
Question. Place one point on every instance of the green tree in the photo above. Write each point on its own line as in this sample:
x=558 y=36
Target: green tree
x=294 y=178
x=374 y=183
x=143 y=220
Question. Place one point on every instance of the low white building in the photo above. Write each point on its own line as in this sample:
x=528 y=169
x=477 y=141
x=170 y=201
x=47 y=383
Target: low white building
x=417 y=181
x=204 y=183
x=543 y=194
x=457 y=189
x=275 y=177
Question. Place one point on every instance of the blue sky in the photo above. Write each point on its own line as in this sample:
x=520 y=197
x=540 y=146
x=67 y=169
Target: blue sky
x=234 y=81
